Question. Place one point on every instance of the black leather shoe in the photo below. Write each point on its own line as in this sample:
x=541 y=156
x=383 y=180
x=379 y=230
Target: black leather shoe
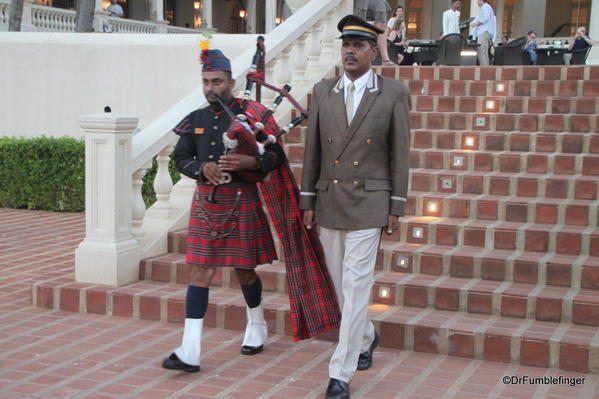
x=173 y=363
x=337 y=389
x=251 y=350
x=365 y=359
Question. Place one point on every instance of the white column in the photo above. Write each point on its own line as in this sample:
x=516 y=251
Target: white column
x=474 y=12
x=499 y=9
x=108 y=254
x=157 y=10
x=593 y=33
x=207 y=14
x=251 y=16
x=271 y=14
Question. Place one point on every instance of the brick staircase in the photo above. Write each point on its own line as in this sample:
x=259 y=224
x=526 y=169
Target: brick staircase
x=498 y=255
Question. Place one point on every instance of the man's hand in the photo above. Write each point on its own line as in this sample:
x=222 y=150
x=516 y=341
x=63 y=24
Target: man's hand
x=392 y=224
x=212 y=173
x=233 y=161
x=309 y=219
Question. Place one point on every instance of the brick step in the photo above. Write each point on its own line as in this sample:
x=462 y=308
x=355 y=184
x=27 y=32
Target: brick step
x=517 y=88
x=546 y=142
x=507 y=209
x=490 y=264
x=504 y=122
x=574 y=143
x=505 y=161
x=543 y=238
x=492 y=73
x=466 y=262
x=171 y=267
x=489 y=337
x=506 y=184
x=510 y=105
x=509 y=299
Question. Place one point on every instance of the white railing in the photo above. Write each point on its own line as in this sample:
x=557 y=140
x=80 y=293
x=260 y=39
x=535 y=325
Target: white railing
x=122 y=25
x=48 y=19
x=304 y=43
x=178 y=29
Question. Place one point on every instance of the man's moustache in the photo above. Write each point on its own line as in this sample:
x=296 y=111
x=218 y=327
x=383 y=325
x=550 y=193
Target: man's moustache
x=351 y=58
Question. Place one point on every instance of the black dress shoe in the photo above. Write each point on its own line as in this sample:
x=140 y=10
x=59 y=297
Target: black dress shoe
x=251 y=350
x=365 y=359
x=337 y=389
x=173 y=363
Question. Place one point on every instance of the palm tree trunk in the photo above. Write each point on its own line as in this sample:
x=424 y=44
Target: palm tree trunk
x=84 y=21
x=16 y=16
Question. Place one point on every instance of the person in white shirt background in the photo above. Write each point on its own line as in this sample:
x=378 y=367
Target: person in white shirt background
x=485 y=27
x=115 y=10
x=451 y=18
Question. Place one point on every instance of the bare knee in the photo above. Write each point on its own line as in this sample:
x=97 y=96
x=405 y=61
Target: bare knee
x=201 y=276
x=246 y=276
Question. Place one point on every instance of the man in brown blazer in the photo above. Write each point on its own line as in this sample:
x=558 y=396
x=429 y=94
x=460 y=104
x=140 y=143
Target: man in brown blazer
x=355 y=182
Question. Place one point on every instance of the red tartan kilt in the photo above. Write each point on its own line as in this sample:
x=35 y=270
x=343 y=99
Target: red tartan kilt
x=226 y=233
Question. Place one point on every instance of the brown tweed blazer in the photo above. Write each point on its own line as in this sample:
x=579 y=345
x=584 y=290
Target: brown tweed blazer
x=355 y=176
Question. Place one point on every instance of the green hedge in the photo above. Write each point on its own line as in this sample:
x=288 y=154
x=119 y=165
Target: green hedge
x=47 y=173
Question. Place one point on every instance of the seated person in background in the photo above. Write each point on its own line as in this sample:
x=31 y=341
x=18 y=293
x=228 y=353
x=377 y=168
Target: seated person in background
x=504 y=40
x=379 y=10
x=580 y=42
x=531 y=47
x=115 y=10
x=396 y=41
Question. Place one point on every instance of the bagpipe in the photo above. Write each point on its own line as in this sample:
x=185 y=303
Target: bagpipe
x=246 y=134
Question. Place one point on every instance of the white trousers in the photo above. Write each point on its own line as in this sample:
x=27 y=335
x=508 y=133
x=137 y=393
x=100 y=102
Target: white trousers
x=351 y=257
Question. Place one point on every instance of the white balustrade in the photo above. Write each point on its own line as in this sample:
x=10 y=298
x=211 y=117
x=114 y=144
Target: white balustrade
x=313 y=67
x=122 y=25
x=139 y=206
x=300 y=62
x=51 y=19
x=179 y=29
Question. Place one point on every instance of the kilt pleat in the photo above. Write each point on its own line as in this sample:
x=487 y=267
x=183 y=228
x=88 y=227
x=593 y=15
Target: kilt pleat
x=233 y=232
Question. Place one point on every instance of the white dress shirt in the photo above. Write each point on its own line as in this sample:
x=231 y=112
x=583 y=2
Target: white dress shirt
x=360 y=86
x=487 y=19
x=451 y=22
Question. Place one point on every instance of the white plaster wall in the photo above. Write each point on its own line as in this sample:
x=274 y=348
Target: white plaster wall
x=51 y=79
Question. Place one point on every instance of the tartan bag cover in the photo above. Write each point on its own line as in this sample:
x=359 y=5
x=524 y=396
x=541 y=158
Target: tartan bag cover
x=312 y=299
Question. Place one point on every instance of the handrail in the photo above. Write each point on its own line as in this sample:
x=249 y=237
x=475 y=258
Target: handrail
x=155 y=136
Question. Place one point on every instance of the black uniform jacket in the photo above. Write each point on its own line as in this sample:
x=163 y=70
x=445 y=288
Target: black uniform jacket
x=202 y=141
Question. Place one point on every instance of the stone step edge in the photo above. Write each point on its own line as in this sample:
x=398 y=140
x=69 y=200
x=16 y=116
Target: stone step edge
x=410 y=335
x=274 y=280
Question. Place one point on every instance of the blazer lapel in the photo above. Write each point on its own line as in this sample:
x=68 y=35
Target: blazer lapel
x=338 y=104
x=370 y=94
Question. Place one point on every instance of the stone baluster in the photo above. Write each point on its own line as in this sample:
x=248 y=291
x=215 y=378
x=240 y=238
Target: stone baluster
x=268 y=96
x=163 y=185
x=284 y=70
x=300 y=63
x=329 y=53
x=139 y=206
x=313 y=67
